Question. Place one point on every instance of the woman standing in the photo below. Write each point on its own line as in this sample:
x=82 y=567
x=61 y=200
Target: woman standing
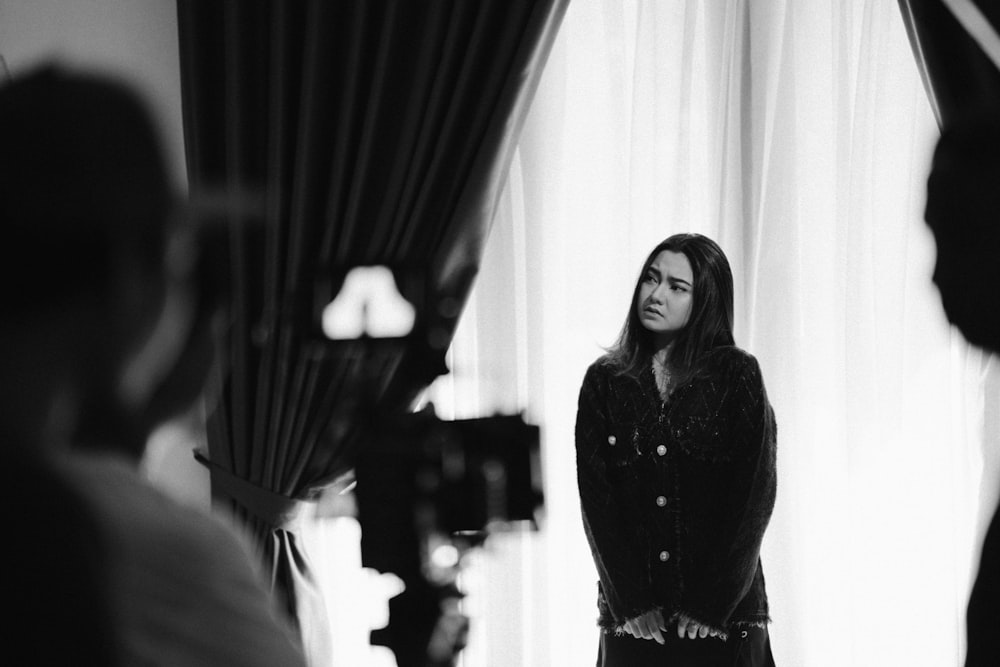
x=675 y=447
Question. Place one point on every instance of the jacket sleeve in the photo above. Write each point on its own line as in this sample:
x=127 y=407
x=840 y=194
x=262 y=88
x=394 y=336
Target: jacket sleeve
x=729 y=492
x=624 y=574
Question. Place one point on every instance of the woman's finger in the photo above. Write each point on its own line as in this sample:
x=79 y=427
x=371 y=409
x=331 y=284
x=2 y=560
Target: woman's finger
x=654 y=632
x=692 y=629
x=703 y=631
x=682 y=623
x=643 y=622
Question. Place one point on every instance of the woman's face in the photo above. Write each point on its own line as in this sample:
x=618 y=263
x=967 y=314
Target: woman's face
x=665 y=294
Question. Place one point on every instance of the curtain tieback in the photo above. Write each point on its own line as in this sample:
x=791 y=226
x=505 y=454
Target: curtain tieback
x=275 y=509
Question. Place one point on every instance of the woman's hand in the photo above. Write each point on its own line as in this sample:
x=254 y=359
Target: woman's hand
x=692 y=628
x=648 y=626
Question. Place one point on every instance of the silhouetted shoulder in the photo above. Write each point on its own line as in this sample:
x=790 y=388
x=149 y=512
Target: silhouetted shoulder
x=604 y=362
x=602 y=367
x=728 y=358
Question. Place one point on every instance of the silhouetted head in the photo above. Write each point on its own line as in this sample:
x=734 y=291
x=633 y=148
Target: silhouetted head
x=83 y=187
x=90 y=262
x=963 y=212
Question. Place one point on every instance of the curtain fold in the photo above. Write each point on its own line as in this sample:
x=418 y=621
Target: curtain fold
x=345 y=133
x=957 y=75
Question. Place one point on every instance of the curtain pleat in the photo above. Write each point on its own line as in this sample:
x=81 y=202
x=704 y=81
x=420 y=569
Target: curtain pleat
x=346 y=133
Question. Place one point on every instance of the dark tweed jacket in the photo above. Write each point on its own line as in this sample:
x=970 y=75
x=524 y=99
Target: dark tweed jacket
x=676 y=495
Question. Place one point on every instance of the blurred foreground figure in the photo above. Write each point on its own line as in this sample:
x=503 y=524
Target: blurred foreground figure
x=105 y=332
x=963 y=211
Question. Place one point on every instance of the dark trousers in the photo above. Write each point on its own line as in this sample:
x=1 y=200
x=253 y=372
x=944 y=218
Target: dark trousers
x=744 y=648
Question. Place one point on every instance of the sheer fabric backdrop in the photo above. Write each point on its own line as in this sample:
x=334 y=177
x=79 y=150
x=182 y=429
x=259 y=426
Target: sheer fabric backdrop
x=796 y=133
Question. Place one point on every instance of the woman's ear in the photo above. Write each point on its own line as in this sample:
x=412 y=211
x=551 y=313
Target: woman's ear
x=183 y=381
x=171 y=370
x=146 y=347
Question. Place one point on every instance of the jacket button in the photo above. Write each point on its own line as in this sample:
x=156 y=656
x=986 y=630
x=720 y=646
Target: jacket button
x=661 y=450
x=664 y=556
x=661 y=501
x=612 y=440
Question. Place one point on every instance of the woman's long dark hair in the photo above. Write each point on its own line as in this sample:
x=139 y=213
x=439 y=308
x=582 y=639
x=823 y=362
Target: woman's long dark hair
x=711 y=321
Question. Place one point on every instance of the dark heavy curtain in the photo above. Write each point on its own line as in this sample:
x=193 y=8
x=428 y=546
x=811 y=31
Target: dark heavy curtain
x=348 y=132
x=956 y=73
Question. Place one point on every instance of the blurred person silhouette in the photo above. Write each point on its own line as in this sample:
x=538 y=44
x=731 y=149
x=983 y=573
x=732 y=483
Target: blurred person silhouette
x=109 y=300
x=963 y=212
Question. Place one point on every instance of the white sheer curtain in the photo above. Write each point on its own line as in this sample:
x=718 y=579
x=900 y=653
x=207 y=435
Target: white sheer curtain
x=796 y=133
